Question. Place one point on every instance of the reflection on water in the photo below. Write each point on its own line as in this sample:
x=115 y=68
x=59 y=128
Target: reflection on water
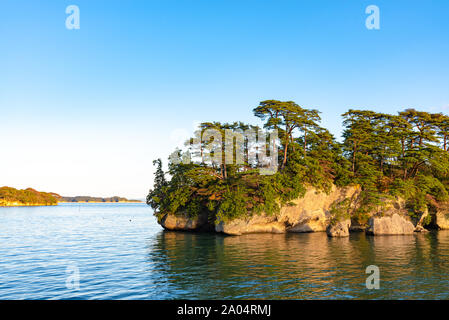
x=302 y=266
x=122 y=253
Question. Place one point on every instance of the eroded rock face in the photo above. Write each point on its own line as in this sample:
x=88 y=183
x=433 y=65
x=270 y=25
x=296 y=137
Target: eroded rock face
x=390 y=225
x=308 y=214
x=393 y=217
x=442 y=219
x=339 y=229
x=182 y=222
x=312 y=212
x=256 y=224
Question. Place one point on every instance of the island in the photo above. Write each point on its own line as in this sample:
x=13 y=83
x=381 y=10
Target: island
x=11 y=197
x=88 y=199
x=389 y=175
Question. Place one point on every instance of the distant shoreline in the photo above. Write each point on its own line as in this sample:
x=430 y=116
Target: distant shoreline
x=89 y=199
x=131 y=201
x=11 y=197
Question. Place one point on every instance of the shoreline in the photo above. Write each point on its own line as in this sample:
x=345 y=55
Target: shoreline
x=99 y=202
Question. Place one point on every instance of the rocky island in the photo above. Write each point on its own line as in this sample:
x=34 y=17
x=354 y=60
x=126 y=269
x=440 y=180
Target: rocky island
x=88 y=199
x=389 y=176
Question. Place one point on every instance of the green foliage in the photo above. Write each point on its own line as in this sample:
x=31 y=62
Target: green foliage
x=26 y=197
x=157 y=195
x=340 y=211
x=370 y=200
x=233 y=205
x=429 y=185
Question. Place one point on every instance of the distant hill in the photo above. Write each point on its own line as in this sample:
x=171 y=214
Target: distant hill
x=11 y=197
x=93 y=199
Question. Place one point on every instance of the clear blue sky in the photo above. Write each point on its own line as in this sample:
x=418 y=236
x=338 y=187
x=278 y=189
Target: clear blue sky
x=86 y=111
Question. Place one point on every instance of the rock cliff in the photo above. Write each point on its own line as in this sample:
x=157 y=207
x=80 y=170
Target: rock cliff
x=339 y=229
x=440 y=216
x=184 y=223
x=310 y=213
x=390 y=225
x=314 y=212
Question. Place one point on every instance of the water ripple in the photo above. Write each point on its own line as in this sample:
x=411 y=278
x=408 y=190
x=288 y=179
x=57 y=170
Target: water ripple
x=121 y=253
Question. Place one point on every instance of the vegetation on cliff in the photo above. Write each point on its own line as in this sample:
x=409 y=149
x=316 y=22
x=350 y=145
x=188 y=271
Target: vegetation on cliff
x=404 y=155
x=14 y=197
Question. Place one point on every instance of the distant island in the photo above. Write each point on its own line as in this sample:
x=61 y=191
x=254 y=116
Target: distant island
x=94 y=199
x=11 y=197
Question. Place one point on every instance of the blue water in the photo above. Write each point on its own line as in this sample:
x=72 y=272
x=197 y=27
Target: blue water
x=120 y=252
